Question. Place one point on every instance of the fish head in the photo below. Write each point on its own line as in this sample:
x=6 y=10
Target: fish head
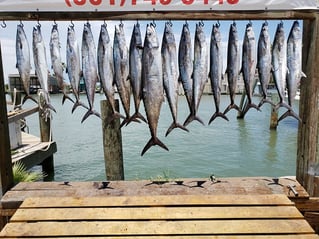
x=250 y=32
x=233 y=34
x=36 y=33
x=87 y=33
x=151 y=36
x=216 y=35
x=55 y=32
x=199 y=32
x=295 y=30
x=168 y=33
x=71 y=34
x=137 y=36
x=104 y=34
x=185 y=37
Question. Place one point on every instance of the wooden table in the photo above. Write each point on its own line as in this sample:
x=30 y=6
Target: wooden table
x=159 y=216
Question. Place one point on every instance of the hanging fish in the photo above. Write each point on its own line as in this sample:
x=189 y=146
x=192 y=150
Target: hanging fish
x=106 y=68
x=135 y=68
x=264 y=62
x=56 y=61
x=89 y=67
x=121 y=70
x=170 y=74
x=41 y=67
x=153 y=90
x=185 y=64
x=232 y=71
x=199 y=71
x=248 y=68
x=73 y=68
x=216 y=67
x=294 y=62
x=23 y=61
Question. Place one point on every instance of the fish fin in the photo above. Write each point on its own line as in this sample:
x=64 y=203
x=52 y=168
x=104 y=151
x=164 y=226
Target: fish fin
x=137 y=115
x=88 y=113
x=65 y=96
x=232 y=106
x=175 y=125
x=49 y=106
x=265 y=100
x=218 y=114
x=290 y=113
x=26 y=97
x=191 y=118
x=152 y=142
x=303 y=74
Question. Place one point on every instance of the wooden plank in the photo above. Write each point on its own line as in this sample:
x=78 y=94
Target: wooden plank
x=310 y=205
x=155 y=213
x=189 y=227
x=20 y=114
x=160 y=200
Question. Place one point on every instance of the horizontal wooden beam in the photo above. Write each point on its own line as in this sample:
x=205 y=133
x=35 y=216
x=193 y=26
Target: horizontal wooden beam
x=159 y=15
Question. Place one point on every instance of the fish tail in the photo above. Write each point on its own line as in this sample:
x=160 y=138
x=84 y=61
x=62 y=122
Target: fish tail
x=137 y=115
x=218 y=114
x=26 y=97
x=115 y=115
x=249 y=106
x=49 y=106
x=78 y=103
x=153 y=141
x=126 y=121
x=290 y=113
x=191 y=118
x=66 y=96
x=265 y=100
x=232 y=106
x=175 y=125
x=88 y=113
x=283 y=104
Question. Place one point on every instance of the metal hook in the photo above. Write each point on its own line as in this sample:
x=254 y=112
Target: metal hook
x=170 y=23
x=54 y=23
x=218 y=23
x=186 y=22
x=266 y=22
x=3 y=25
x=153 y=24
x=250 y=22
x=104 y=22
x=201 y=23
x=38 y=22
x=137 y=23
x=72 y=24
x=234 y=22
x=21 y=24
x=121 y=23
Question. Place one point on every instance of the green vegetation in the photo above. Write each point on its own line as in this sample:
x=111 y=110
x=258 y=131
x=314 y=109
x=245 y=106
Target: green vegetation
x=21 y=174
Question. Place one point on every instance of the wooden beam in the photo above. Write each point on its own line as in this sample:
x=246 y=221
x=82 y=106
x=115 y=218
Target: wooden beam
x=308 y=108
x=6 y=176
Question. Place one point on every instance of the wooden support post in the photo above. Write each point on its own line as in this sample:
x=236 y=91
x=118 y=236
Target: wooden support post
x=274 y=113
x=112 y=143
x=46 y=136
x=6 y=176
x=307 y=160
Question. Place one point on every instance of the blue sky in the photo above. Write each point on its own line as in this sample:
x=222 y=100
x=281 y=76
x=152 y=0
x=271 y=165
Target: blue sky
x=8 y=35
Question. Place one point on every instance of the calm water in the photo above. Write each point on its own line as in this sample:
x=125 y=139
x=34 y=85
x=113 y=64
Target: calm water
x=235 y=148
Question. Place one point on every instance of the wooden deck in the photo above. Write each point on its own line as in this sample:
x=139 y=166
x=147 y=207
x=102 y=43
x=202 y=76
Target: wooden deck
x=159 y=216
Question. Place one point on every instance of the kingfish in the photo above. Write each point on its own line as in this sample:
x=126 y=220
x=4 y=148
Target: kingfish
x=294 y=61
x=170 y=74
x=264 y=62
x=41 y=67
x=89 y=68
x=279 y=64
x=73 y=68
x=135 y=68
x=152 y=82
x=249 y=63
x=23 y=61
x=200 y=72
x=121 y=70
x=185 y=64
x=106 y=68
x=216 y=67
x=232 y=70
x=56 y=61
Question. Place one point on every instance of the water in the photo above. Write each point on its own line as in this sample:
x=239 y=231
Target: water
x=244 y=147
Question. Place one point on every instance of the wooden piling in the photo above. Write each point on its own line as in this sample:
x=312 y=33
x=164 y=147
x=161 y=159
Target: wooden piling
x=45 y=136
x=112 y=142
x=274 y=113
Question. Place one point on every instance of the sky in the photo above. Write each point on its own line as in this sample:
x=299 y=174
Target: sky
x=8 y=35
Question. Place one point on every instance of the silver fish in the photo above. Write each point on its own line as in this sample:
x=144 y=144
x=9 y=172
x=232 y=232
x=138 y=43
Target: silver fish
x=135 y=67
x=294 y=61
x=73 y=68
x=232 y=71
x=56 y=61
x=89 y=68
x=249 y=63
x=23 y=61
x=152 y=81
x=279 y=64
x=170 y=74
x=121 y=70
x=200 y=72
x=216 y=67
x=264 y=62
x=40 y=63
x=185 y=64
x=106 y=68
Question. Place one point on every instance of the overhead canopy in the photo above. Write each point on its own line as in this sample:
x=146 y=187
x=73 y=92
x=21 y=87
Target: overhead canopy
x=153 y=5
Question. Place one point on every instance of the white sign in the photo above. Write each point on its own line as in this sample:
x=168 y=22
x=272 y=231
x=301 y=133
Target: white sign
x=153 y=5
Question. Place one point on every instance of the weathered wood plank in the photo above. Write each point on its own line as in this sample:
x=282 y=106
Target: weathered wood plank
x=310 y=205
x=189 y=227
x=160 y=200
x=22 y=114
x=155 y=213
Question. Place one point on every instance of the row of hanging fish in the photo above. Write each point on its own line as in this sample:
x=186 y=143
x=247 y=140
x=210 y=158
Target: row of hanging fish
x=147 y=70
